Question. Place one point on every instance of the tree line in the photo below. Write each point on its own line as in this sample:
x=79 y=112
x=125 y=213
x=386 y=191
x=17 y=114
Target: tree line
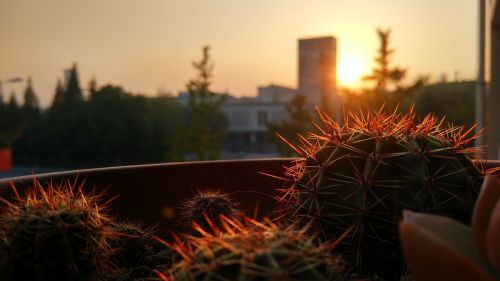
x=110 y=126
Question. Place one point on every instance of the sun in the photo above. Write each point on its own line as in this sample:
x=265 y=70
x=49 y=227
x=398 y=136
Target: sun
x=350 y=70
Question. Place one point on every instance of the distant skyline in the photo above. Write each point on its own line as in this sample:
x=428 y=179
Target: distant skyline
x=147 y=46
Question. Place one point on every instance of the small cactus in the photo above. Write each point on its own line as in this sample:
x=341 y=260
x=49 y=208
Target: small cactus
x=207 y=206
x=136 y=252
x=364 y=173
x=53 y=233
x=255 y=251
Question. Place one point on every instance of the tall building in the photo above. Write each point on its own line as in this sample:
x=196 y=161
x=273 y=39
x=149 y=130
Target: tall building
x=492 y=104
x=317 y=73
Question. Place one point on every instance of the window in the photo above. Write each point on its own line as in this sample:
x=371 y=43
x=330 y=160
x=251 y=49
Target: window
x=261 y=118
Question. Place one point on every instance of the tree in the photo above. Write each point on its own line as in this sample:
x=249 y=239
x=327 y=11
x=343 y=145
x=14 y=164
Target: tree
x=30 y=98
x=10 y=125
x=92 y=87
x=388 y=87
x=27 y=146
x=206 y=125
x=300 y=122
x=73 y=94
x=59 y=94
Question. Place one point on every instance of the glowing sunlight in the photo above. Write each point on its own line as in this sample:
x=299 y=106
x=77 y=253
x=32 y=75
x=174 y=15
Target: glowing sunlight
x=350 y=70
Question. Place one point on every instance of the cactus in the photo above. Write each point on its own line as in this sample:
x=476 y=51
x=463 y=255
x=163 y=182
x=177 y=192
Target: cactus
x=53 y=233
x=208 y=206
x=256 y=251
x=136 y=252
x=364 y=173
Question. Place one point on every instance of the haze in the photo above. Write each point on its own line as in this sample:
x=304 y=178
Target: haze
x=147 y=46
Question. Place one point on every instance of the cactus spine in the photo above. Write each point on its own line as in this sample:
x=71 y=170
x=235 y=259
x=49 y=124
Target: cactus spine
x=207 y=206
x=54 y=233
x=256 y=251
x=364 y=173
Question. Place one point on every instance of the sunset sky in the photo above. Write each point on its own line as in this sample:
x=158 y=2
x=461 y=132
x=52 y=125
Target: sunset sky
x=148 y=45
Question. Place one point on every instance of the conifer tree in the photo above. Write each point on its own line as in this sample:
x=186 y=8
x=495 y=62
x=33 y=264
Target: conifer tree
x=73 y=94
x=205 y=132
x=92 y=87
x=30 y=99
x=388 y=81
x=59 y=94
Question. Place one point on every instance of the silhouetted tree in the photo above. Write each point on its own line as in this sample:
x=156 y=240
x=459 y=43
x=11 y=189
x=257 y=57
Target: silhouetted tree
x=2 y=102
x=27 y=146
x=10 y=125
x=59 y=94
x=387 y=81
x=73 y=94
x=92 y=87
x=206 y=126
x=30 y=98
x=300 y=122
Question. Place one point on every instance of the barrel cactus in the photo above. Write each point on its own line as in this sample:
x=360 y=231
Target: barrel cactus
x=364 y=173
x=136 y=252
x=256 y=251
x=207 y=206
x=53 y=233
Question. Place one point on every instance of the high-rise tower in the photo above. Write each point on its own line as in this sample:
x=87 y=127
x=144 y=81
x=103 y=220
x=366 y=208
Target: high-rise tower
x=318 y=73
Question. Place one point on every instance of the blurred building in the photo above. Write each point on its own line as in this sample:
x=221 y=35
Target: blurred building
x=488 y=98
x=317 y=73
x=248 y=118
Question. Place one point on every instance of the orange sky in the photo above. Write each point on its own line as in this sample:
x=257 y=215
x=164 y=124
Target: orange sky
x=148 y=45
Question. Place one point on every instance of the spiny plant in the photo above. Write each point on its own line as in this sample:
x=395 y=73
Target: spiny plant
x=365 y=172
x=53 y=233
x=207 y=206
x=136 y=252
x=253 y=251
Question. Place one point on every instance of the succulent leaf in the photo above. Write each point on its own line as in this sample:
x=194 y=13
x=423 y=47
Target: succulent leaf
x=440 y=248
x=483 y=211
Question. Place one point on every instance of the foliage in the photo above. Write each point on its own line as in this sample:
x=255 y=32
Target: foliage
x=300 y=121
x=30 y=124
x=364 y=173
x=205 y=128
x=452 y=100
x=53 y=233
x=256 y=251
x=387 y=81
x=439 y=248
x=10 y=125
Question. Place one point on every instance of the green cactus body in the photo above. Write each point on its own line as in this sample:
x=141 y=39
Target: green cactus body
x=366 y=172
x=53 y=234
x=136 y=252
x=260 y=252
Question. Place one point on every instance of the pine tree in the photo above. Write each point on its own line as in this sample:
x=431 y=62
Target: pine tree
x=13 y=104
x=59 y=95
x=2 y=102
x=207 y=126
x=26 y=147
x=10 y=125
x=388 y=87
x=92 y=87
x=73 y=94
x=30 y=99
